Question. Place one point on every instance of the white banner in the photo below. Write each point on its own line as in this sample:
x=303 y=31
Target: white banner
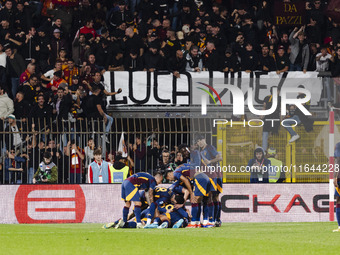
x=143 y=88
x=102 y=203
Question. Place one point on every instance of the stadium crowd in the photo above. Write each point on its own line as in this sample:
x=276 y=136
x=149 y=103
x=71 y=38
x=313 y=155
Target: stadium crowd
x=53 y=56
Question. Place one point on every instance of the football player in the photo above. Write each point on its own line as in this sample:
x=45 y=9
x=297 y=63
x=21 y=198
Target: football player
x=130 y=188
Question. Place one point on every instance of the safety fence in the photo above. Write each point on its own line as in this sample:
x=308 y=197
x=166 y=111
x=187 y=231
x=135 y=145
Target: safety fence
x=305 y=160
x=72 y=145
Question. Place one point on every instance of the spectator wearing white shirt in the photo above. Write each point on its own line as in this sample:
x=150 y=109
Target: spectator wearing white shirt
x=48 y=76
x=322 y=60
x=322 y=65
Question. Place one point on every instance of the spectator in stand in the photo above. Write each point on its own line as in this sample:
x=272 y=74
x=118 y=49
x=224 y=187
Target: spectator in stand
x=95 y=111
x=10 y=35
x=153 y=61
x=57 y=43
x=87 y=29
x=335 y=65
x=187 y=14
x=335 y=70
x=14 y=167
x=14 y=138
x=80 y=49
x=139 y=151
x=97 y=83
x=162 y=30
x=313 y=50
x=218 y=37
x=42 y=49
x=299 y=55
x=239 y=45
x=29 y=89
x=178 y=159
x=103 y=53
x=176 y=65
x=70 y=71
x=57 y=24
x=34 y=155
x=6 y=105
x=88 y=150
x=284 y=41
x=194 y=62
x=117 y=62
x=267 y=63
x=21 y=106
x=322 y=65
x=62 y=104
x=133 y=62
x=91 y=63
x=75 y=84
x=118 y=16
x=230 y=62
x=132 y=41
x=211 y=59
x=48 y=76
x=153 y=153
x=56 y=81
x=8 y=12
x=249 y=59
x=15 y=67
x=28 y=72
x=99 y=171
x=171 y=45
x=52 y=147
x=282 y=60
x=30 y=45
x=41 y=113
x=152 y=39
x=76 y=155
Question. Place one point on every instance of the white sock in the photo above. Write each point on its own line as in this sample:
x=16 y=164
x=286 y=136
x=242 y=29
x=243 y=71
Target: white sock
x=148 y=221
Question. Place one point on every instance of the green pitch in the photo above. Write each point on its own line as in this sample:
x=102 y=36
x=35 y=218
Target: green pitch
x=231 y=238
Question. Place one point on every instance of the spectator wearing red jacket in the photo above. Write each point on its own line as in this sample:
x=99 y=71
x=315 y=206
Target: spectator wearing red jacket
x=87 y=29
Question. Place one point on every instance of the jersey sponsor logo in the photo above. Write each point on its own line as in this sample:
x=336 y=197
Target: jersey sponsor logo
x=50 y=204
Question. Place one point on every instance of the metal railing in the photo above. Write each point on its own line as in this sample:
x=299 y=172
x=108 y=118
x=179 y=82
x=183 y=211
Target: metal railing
x=234 y=143
x=22 y=148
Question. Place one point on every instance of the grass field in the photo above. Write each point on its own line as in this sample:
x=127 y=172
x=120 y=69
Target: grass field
x=231 y=238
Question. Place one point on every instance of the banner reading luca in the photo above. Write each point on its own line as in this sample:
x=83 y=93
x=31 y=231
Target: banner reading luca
x=66 y=2
x=289 y=14
x=163 y=89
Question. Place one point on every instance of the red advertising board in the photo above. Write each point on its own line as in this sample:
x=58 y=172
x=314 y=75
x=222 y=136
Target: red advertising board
x=50 y=204
x=95 y=203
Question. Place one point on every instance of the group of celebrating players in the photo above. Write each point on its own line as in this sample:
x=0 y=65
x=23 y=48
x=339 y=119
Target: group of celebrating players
x=164 y=207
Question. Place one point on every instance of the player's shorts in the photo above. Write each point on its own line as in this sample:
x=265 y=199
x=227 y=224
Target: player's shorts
x=130 y=192
x=202 y=185
x=218 y=185
x=174 y=217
